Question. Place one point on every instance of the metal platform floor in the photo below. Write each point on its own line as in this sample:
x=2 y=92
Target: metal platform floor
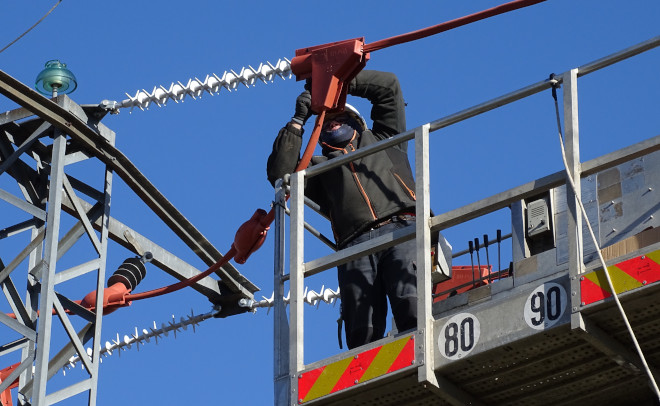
x=559 y=366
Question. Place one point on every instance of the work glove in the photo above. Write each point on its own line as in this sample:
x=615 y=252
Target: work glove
x=303 y=108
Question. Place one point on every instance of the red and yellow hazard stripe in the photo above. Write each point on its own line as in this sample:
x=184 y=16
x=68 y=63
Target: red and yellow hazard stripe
x=353 y=370
x=627 y=275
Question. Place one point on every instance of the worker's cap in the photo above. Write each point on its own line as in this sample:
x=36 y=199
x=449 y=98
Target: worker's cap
x=352 y=113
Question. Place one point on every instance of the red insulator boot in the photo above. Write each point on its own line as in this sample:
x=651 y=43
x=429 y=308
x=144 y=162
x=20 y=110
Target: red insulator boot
x=113 y=298
x=251 y=235
x=5 y=396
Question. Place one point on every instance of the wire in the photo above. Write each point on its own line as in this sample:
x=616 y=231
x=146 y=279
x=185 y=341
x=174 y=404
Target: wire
x=593 y=237
x=30 y=29
x=307 y=156
x=184 y=283
x=309 y=150
x=446 y=26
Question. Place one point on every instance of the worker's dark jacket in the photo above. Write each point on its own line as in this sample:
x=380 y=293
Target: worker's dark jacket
x=358 y=195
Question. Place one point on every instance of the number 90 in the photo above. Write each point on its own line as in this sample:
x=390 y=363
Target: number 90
x=545 y=305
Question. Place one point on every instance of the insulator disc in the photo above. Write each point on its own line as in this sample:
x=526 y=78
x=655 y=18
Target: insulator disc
x=130 y=273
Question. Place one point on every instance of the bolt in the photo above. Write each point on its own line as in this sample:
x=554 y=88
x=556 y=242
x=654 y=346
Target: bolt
x=356 y=357
x=581 y=278
x=412 y=362
x=644 y=282
x=245 y=302
x=355 y=382
x=583 y=303
x=575 y=309
x=643 y=256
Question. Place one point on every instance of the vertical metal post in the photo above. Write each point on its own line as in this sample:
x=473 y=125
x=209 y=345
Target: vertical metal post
x=31 y=303
x=100 y=283
x=296 y=282
x=282 y=385
x=48 y=272
x=424 y=347
x=574 y=218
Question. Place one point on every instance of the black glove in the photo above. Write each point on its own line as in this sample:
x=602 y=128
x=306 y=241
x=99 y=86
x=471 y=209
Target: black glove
x=303 y=108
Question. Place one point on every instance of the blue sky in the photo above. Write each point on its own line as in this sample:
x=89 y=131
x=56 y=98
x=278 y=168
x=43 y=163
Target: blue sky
x=208 y=156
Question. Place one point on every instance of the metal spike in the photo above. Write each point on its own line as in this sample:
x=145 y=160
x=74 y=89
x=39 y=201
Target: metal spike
x=141 y=338
x=310 y=297
x=212 y=84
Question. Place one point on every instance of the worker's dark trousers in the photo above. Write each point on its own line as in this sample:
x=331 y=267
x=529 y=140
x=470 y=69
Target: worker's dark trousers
x=366 y=284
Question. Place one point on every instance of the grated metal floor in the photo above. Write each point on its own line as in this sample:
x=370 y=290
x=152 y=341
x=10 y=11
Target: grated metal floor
x=555 y=367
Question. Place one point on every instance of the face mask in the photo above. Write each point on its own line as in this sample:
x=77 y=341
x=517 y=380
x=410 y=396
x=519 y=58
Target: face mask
x=337 y=137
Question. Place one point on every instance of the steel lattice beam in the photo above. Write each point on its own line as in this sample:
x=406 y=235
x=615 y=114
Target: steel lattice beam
x=59 y=116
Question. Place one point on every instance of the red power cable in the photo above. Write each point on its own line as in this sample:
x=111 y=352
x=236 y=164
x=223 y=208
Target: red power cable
x=182 y=284
x=266 y=219
x=446 y=26
x=309 y=151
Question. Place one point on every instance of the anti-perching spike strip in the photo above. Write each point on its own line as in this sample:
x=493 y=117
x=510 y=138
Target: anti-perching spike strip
x=212 y=85
x=139 y=339
x=310 y=297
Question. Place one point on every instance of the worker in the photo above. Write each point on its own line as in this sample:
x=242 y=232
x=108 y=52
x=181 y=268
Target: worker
x=363 y=199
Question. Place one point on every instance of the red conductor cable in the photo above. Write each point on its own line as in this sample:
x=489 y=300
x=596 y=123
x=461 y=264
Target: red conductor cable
x=337 y=71
x=330 y=67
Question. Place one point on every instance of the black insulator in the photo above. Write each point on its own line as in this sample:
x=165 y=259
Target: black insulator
x=130 y=273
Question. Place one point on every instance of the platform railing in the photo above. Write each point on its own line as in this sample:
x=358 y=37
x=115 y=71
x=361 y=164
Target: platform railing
x=286 y=386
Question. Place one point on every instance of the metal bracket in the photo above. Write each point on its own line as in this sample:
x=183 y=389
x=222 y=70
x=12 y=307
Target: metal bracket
x=131 y=240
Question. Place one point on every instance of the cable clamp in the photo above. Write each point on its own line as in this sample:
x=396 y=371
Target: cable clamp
x=554 y=82
x=555 y=85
